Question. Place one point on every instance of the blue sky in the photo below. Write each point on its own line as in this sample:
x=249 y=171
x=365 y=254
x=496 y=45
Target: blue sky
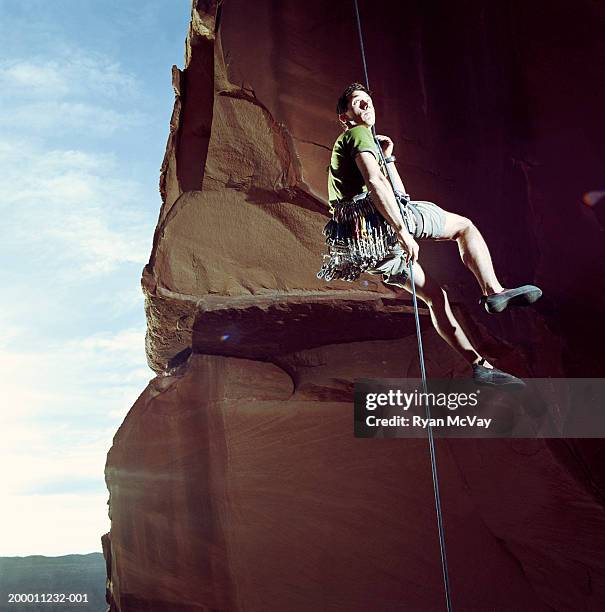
x=86 y=99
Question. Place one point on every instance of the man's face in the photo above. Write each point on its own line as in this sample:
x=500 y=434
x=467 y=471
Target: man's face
x=361 y=109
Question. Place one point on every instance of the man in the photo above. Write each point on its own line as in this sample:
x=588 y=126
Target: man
x=357 y=188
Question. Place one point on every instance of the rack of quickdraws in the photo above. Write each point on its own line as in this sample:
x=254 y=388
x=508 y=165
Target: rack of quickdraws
x=357 y=238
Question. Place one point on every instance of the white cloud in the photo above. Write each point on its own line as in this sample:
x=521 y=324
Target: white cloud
x=70 y=214
x=74 y=72
x=25 y=77
x=99 y=247
x=56 y=117
x=55 y=459
x=82 y=377
x=52 y=525
x=77 y=227
x=77 y=90
x=72 y=208
x=118 y=302
x=66 y=402
x=124 y=347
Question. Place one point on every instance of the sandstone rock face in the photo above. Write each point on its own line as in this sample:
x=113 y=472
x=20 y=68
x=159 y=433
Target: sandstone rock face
x=237 y=485
x=235 y=481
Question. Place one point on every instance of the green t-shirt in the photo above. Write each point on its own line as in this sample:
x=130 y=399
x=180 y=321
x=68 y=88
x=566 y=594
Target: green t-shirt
x=344 y=178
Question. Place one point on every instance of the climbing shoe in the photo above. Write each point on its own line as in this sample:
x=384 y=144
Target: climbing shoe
x=493 y=377
x=520 y=296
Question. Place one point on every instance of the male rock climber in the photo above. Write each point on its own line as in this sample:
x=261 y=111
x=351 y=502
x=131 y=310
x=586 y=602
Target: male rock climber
x=354 y=175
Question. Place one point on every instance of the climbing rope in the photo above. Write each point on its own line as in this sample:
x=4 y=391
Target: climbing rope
x=446 y=579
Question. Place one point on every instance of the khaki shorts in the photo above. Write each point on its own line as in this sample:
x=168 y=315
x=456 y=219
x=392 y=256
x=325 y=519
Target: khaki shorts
x=423 y=220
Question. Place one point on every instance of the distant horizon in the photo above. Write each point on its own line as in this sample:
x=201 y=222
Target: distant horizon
x=95 y=552
x=85 y=119
x=81 y=577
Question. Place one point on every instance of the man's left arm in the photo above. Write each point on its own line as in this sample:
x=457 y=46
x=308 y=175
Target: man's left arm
x=386 y=145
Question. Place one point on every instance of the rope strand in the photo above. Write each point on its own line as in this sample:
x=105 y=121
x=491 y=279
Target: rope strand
x=440 y=528
x=363 y=52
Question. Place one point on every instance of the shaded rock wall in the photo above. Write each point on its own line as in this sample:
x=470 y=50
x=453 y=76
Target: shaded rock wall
x=237 y=485
x=496 y=112
x=235 y=482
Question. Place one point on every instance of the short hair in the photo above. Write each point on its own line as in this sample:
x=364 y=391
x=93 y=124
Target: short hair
x=343 y=101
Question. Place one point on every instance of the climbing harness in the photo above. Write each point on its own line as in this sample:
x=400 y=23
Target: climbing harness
x=446 y=581
x=357 y=238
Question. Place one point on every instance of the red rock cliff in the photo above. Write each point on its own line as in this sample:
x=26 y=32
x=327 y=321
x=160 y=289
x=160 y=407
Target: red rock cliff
x=235 y=481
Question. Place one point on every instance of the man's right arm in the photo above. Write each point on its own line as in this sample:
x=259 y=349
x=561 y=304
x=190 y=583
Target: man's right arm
x=384 y=200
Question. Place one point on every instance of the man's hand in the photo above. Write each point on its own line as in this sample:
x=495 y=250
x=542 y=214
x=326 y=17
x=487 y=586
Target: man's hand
x=386 y=144
x=409 y=245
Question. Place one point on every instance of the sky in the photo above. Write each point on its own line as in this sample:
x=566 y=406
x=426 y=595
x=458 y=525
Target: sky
x=85 y=105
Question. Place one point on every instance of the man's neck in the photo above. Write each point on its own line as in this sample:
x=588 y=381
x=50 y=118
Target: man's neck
x=351 y=125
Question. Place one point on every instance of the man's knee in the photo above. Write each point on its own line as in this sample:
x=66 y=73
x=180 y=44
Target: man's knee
x=433 y=295
x=465 y=228
x=457 y=226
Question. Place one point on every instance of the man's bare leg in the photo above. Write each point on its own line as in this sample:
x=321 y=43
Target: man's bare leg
x=446 y=324
x=444 y=320
x=476 y=257
x=473 y=251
